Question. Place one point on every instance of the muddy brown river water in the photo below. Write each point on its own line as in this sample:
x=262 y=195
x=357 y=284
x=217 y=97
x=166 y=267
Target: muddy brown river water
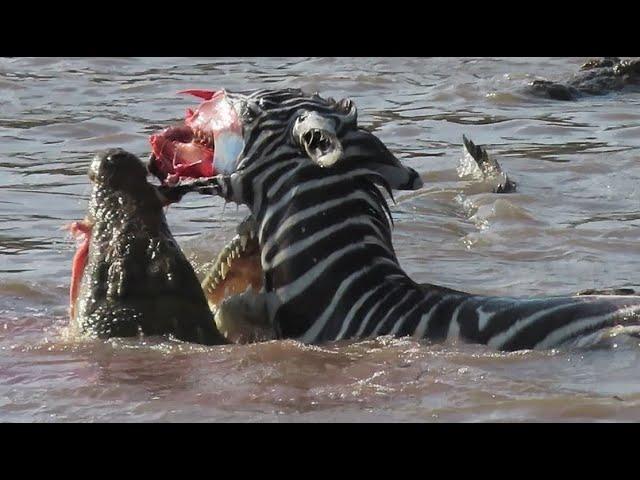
x=574 y=224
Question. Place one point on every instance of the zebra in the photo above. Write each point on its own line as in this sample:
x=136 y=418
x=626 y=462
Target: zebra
x=313 y=180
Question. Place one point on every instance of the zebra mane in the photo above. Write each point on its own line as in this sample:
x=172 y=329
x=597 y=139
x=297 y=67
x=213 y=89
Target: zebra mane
x=372 y=183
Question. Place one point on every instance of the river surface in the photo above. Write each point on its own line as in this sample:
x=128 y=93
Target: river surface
x=573 y=224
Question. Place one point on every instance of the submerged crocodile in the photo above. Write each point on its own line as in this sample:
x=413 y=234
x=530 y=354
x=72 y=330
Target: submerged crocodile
x=129 y=276
x=596 y=77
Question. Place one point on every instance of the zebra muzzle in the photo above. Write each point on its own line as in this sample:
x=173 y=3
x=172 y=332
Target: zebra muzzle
x=322 y=147
x=316 y=135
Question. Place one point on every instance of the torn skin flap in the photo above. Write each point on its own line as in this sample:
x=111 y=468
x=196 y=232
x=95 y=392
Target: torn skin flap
x=82 y=232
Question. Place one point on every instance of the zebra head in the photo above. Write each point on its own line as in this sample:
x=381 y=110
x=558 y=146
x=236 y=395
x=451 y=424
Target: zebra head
x=229 y=132
x=308 y=173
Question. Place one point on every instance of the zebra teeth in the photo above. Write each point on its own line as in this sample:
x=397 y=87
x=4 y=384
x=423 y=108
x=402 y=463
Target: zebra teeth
x=243 y=242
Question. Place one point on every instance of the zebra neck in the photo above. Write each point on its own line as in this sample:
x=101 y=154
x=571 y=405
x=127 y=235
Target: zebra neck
x=318 y=261
x=325 y=242
x=352 y=301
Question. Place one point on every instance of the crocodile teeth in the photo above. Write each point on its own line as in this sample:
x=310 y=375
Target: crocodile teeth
x=224 y=269
x=236 y=249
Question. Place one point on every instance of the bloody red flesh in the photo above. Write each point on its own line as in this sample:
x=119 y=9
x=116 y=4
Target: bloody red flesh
x=82 y=231
x=179 y=155
x=188 y=150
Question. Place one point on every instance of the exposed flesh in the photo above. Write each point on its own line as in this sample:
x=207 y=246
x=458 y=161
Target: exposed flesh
x=82 y=231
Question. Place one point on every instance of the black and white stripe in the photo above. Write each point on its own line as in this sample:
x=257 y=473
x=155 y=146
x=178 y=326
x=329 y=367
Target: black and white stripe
x=325 y=235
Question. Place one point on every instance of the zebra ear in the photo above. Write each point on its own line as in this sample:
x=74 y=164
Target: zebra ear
x=364 y=150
